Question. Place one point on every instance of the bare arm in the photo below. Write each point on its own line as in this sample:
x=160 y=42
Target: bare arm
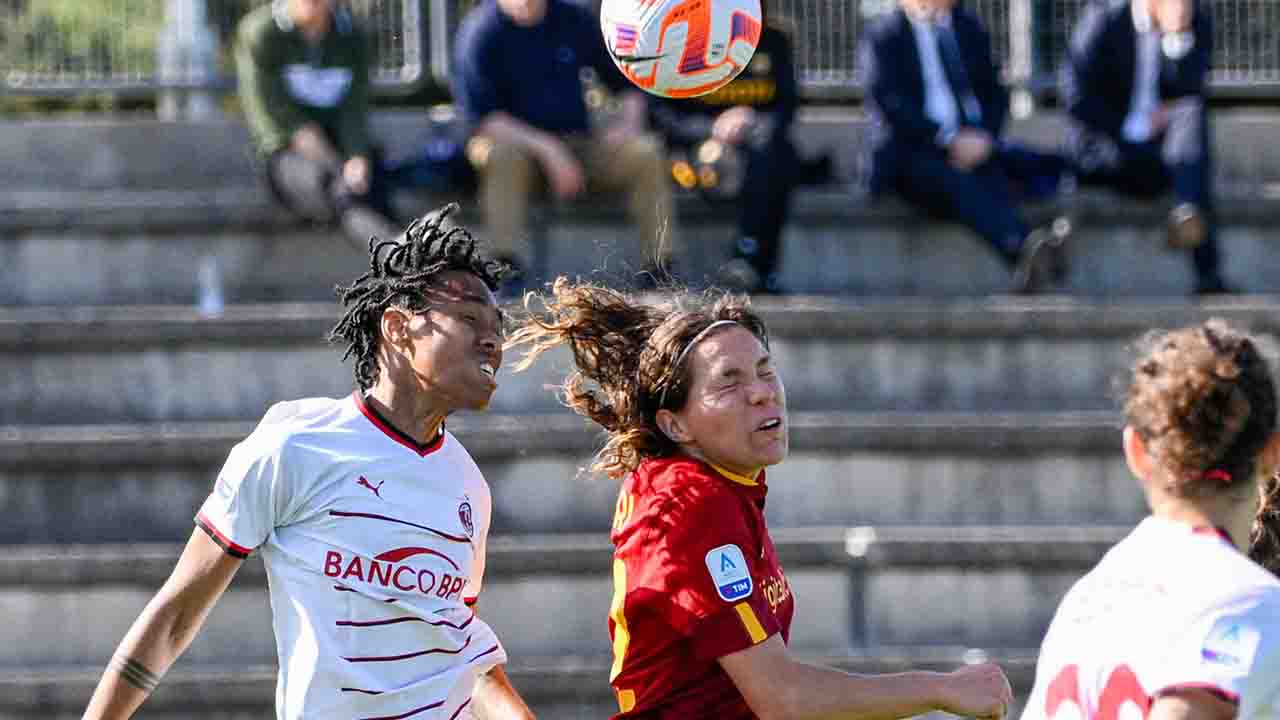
x=1191 y=705
x=164 y=629
x=496 y=699
x=777 y=687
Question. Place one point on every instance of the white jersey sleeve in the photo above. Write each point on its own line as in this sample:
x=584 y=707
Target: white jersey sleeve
x=481 y=512
x=1261 y=698
x=247 y=498
x=1225 y=649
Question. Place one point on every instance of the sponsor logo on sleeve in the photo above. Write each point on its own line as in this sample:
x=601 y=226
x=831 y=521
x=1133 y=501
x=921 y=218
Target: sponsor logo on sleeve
x=464 y=514
x=729 y=572
x=1231 y=645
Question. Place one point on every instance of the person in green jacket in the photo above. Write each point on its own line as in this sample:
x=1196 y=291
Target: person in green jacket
x=303 y=68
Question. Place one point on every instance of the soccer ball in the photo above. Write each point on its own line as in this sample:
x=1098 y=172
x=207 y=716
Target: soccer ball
x=680 y=48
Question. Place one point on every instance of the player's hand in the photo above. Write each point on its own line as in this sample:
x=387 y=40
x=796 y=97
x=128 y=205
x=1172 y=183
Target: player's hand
x=969 y=148
x=356 y=173
x=622 y=131
x=310 y=142
x=732 y=125
x=563 y=170
x=979 y=691
x=1160 y=118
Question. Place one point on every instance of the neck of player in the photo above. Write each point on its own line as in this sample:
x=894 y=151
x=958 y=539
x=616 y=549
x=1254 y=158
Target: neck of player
x=1231 y=513
x=408 y=410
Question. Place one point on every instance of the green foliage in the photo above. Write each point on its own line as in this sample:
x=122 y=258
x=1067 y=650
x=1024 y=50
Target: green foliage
x=98 y=39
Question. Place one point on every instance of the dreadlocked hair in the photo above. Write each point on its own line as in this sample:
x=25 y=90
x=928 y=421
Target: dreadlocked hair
x=1264 y=540
x=1204 y=402
x=624 y=353
x=401 y=271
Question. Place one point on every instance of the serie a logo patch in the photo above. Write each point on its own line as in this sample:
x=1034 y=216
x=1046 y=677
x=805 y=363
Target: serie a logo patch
x=729 y=572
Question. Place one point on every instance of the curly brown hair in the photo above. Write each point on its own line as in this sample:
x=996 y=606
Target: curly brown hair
x=625 y=352
x=1264 y=541
x=1203 y=400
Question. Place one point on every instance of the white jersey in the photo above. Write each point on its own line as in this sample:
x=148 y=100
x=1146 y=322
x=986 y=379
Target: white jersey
x=1168 y=607
x=374 y=549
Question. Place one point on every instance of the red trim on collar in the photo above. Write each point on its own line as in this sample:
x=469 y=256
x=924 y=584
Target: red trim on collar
x=1219 y=531
x=392 y=432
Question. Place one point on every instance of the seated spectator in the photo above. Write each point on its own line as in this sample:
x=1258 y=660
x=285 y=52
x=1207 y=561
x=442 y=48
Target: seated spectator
x=934 y=93
x=1134 y=87
x=752 y=114
x=303 y=70
x=518 y=84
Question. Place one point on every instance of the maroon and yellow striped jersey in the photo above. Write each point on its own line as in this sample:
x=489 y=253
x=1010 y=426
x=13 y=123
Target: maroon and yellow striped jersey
x=695 y=578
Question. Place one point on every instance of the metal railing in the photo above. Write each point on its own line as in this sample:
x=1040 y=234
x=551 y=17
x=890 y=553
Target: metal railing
x=141 y=46
x=136 y=47
x=1029 y=38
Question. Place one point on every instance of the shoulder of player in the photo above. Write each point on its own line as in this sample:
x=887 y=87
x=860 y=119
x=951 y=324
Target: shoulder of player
x=480 y=25
x=257 y=25
x=458 y=454
x=886 y=26
x=686 y=491
x=572 y=12
x=286 y=423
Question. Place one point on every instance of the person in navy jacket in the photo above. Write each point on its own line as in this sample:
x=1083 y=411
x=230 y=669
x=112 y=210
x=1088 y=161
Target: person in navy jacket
x=938 y=110
x=1134 y=88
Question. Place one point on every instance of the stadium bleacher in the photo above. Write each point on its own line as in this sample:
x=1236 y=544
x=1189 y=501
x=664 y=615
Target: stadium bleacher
x=955 y=456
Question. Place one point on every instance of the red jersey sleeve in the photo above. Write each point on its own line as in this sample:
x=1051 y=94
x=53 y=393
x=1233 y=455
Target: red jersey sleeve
x=704 y=560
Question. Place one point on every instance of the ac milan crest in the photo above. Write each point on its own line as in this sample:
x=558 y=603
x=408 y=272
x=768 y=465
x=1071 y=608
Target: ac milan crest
x=464 y=514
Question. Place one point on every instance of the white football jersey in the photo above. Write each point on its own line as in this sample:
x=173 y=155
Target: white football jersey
x=374 y=550
x=1168 y=607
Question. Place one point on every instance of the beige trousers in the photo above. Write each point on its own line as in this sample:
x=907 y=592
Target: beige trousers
x=637 y=170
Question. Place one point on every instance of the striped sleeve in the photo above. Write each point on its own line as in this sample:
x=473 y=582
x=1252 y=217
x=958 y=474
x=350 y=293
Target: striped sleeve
x=241 y=511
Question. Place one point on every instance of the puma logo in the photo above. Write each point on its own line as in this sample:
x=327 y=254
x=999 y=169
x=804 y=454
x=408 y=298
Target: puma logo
x=365 y=483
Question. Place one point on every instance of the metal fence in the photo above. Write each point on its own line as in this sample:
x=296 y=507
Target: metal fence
x=140 y=46
x=1029 y=38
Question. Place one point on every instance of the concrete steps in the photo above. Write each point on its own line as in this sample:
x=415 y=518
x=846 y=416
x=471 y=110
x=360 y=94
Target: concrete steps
x=861 y=589
x=159 y=364
x=139 y=483
x=121 y=211
x=146 y=248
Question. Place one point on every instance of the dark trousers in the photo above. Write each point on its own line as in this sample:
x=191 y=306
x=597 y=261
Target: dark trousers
x=1178 y=161
x=985 y=199
x=765 y=202
x=317 y=192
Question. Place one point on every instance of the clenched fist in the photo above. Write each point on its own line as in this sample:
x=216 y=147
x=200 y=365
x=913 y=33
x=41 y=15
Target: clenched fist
x=980 y=691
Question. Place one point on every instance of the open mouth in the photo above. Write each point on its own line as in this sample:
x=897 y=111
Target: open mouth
x=770 y=424
x=489 y=371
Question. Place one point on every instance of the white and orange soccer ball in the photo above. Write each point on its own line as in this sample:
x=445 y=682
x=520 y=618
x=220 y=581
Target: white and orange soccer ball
x=681 y=48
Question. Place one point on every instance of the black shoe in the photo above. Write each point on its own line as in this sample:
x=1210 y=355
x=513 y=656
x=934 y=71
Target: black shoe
x=1040 y=261
x=514 y=281
x=1212 y=285
x=657 y=275
x=738 y=275
x=1187 y=228
x=1060 y=231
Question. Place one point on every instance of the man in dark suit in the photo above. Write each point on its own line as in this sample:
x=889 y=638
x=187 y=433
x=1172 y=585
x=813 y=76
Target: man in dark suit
x=1134 y=87
x=934 y=93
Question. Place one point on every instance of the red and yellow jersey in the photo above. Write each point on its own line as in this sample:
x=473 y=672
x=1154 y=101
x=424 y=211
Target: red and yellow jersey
x=695 y=578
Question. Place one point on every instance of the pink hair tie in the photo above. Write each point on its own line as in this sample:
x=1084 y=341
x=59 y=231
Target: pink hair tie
x=1221 y=475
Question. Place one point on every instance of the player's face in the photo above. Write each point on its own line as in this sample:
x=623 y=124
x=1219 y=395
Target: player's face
x=736 y=414
x=455 y=347
x=524 y=12
x=310 y=13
